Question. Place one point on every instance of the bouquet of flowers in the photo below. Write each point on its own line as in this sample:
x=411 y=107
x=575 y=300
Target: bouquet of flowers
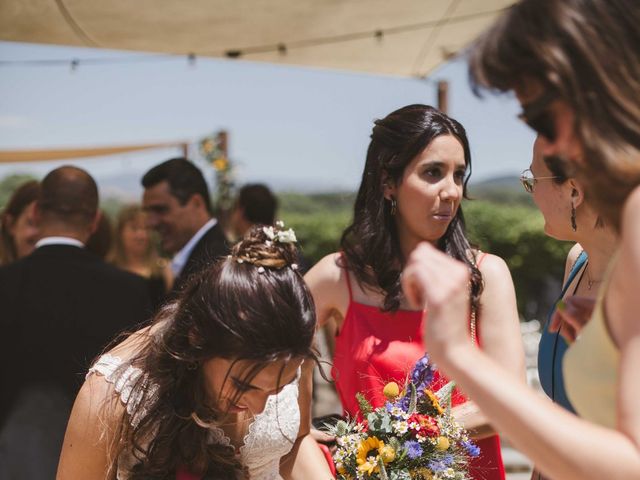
x=412 y=437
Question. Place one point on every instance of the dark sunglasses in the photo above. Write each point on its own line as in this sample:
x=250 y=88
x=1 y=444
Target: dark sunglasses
x=538 y=117
x=529 y=181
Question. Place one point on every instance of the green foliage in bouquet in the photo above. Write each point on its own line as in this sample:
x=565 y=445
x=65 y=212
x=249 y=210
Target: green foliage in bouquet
x=412 y=437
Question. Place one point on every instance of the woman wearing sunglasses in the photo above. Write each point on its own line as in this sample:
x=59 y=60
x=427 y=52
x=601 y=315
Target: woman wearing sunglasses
x=588 y=52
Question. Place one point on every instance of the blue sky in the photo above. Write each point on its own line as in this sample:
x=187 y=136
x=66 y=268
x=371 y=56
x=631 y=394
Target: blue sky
x=293 y=128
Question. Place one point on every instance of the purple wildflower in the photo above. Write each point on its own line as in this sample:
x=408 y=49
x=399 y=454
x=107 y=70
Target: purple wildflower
x=472 y=449
x=414 y=449
x=437 y=466
x=389 y=406
x=422 y=373
x=403 y=403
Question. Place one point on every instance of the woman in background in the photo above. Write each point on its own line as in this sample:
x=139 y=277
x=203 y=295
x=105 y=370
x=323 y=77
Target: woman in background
x=135 y=251
x=18 y=229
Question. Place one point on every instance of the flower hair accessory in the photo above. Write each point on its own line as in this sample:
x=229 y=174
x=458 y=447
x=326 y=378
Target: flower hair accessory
x=258 y=248
x=282 y=236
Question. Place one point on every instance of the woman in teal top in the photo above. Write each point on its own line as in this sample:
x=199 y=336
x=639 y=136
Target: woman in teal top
x=568 y=216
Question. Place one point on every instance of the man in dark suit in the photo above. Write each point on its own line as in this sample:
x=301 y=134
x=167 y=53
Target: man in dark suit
x=59 y=308
x=176 y=199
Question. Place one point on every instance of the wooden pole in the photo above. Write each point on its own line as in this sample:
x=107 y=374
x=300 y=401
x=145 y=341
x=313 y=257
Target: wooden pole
x=443 y=96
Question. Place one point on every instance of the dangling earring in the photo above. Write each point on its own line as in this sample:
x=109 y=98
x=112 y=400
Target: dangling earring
x=573 y=218
x=394 y=206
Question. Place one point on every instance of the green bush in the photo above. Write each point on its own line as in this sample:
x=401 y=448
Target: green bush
x=318 y=233
x=513 y=231
x=516 y=233
x=318 y=220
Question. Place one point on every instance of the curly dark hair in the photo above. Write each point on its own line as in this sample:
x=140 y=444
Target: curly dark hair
x=258 y=310
x=370 y=244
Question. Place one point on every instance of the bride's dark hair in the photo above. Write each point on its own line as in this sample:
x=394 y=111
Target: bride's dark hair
x=252 y=305
x=370 y=244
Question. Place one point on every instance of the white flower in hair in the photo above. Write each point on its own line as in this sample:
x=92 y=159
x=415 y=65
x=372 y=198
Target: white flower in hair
x=287 y=236
x=269 y=232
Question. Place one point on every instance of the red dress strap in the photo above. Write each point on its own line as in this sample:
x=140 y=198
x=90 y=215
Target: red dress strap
x=347 y=277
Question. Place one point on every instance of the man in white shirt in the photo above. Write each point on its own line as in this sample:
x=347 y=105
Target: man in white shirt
x=176 y=200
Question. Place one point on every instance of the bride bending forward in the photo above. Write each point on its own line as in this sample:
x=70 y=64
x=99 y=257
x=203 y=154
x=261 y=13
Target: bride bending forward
x=215 y=388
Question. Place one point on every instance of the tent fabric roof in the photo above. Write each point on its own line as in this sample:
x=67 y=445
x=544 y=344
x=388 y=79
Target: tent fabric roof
x=11 y=156
x=400 y=37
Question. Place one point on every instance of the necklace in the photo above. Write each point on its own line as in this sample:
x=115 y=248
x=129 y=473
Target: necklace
x=590 y=282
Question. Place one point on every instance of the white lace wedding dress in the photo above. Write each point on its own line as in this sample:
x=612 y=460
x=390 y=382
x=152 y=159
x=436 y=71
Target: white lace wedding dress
x=269 y=436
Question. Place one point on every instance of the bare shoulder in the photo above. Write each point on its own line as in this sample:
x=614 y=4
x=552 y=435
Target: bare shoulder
x=498 y=285
x=97 y=400
x=326 y=270
x=493 y=268
x=622 y=300
x=88 y=440
x=326 y=276
x=327 y=283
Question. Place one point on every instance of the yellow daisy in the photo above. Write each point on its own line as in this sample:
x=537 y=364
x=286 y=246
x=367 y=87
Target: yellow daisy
x=434 y=401
x=369 y=451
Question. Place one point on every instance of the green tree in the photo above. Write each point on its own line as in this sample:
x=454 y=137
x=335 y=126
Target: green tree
x=516 y=233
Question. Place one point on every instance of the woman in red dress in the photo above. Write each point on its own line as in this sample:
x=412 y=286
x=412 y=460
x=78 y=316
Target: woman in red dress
x=415 y=177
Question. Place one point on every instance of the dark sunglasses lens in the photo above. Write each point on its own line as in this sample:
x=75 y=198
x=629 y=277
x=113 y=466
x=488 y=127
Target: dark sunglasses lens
x=544 y=125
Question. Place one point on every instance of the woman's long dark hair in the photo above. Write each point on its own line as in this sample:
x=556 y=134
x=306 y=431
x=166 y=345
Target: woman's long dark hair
x=370 y=244
x=252 y=305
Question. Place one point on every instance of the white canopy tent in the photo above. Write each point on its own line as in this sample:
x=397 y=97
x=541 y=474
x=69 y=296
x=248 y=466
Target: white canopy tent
x=400 y=37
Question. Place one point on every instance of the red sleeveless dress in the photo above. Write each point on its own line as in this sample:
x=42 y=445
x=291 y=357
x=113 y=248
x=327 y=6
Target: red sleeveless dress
x=375 y=347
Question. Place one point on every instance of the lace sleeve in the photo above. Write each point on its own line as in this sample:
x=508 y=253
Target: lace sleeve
x=126 y=382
